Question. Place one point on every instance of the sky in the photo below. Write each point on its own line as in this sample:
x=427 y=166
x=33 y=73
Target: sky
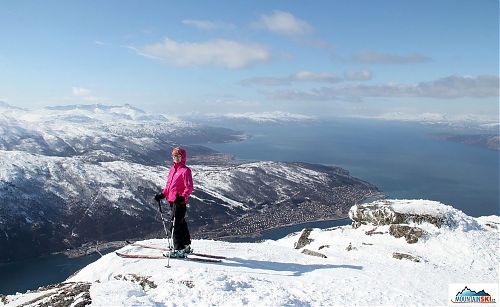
x=318 y=58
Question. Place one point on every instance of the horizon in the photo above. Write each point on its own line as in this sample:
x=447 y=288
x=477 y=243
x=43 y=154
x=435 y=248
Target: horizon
x=279 y=115
x=332 y=59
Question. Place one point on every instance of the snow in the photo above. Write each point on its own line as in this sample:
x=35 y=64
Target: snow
x=435 y=118
x=75 y=127
x=20 y=300
x=273 y=117
x=269 y=117
x=450 y=216
x=273 y=273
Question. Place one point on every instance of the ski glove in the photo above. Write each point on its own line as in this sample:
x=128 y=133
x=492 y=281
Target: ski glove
x=159 y=196
x=180 y=199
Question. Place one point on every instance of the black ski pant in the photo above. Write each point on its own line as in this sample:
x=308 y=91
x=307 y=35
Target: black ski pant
x=180 y=232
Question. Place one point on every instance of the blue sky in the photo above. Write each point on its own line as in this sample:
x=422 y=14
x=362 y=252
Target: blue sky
x=328 y=58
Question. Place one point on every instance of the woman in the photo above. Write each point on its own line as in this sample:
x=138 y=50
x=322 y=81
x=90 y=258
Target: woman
x=177 y=191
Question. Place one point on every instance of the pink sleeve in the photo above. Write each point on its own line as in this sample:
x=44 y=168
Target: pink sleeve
x=170 y=173
x=188 y=184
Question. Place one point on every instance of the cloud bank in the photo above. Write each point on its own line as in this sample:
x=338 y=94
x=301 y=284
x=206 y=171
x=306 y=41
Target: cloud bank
x=373 y=57
x=308 y=76
x=450 y=87
x=86 y=94
x=220 y=52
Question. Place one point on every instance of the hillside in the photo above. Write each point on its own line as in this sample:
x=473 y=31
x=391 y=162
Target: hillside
x=377 y=262
x=85 y=173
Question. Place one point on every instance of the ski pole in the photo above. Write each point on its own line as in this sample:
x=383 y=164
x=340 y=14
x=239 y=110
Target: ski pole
x=163 y=221
x=170 y=252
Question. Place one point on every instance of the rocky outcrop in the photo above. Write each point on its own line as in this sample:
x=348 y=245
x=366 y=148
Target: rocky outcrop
x=143 y=281
x=411 y=212
x=411 y=234
x=373 y=232
x=350 y=247
x=401 y=256
x=75 y=294
x=382 y=213
x=304 y=238
x=313 y=253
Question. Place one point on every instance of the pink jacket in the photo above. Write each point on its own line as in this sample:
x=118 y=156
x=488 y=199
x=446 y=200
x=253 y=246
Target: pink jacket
x=180 y=181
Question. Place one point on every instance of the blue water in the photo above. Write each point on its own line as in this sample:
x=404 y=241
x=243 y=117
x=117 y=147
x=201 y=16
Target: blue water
x=281 y=232
x=404 y=160
x=33 y=273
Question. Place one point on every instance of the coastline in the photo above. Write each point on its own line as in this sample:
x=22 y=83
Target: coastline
x=269 y=233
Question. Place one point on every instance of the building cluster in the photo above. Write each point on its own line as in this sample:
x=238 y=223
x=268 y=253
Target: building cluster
x=340 y=200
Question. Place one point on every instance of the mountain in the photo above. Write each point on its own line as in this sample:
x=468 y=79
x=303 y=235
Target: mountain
x=365 y=264
x=54 y=203
x=276 y=117
x=84 y=173
x=104 y=133
x=490 y=141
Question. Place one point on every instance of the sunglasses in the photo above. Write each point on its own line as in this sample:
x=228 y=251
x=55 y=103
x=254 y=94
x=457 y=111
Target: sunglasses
x=177 y=156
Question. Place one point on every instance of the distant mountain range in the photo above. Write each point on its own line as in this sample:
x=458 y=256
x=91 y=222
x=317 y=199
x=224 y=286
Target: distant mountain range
x=251 y=117
x=103 y=133
x=489 y=141
x=84 y=173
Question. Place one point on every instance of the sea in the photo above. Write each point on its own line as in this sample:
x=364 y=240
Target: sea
x=404 y=160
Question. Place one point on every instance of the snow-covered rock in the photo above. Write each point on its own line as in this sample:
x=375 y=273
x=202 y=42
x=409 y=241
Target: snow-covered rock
x=377 y=269
x=402 y=211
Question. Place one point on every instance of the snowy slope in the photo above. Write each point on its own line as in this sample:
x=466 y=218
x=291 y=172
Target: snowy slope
x=57 y=203
x=102 y=132
x=66 y=169
x=359 y=269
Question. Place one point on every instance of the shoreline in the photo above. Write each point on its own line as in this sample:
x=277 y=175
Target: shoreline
x=91 y=248
x=256 y=235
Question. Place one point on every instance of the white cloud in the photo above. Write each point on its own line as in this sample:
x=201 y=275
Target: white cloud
x=450 y=87
x=358 y=75
x=373 y=57
x=299 y=95
x=284 y=23
x=265 y=81
x=220 y=52
x=206 y=24
x=86 y=94
x=200 y=24
x=315 y=76
x=306 y=76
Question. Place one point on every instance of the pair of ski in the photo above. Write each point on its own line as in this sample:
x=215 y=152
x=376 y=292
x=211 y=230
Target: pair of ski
x=200 y=257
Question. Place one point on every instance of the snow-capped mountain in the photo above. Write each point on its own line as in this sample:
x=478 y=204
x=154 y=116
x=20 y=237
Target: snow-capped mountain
x=85 y=173
x=436 y=118
x=101 y=132
x=275 y=117
x=57 y=203
x=370 y=264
